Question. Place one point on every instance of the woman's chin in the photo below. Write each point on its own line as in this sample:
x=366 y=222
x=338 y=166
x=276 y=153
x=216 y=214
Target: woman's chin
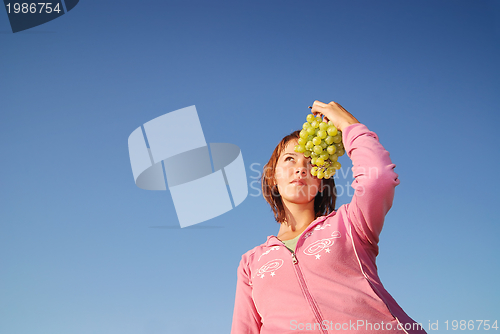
x=297 y=198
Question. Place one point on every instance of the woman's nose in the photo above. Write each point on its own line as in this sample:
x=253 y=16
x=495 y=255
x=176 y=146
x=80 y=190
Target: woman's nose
x=301 y=171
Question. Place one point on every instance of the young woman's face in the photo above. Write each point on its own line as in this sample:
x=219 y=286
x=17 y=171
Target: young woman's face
x=293 y=178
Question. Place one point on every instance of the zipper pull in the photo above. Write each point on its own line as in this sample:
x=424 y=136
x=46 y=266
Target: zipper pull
x=294 y=259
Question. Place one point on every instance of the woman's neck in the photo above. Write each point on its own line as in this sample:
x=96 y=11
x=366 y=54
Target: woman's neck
x=298 y=218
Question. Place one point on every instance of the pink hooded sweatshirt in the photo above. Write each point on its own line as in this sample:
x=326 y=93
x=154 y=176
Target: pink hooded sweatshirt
x=330 y=283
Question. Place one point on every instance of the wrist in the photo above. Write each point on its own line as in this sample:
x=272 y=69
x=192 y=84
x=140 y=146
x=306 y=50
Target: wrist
x=344 y=125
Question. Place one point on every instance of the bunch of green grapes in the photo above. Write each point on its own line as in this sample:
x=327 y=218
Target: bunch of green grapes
x=322 y=142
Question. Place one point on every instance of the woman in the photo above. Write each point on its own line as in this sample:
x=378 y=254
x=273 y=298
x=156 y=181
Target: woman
x=318 y=275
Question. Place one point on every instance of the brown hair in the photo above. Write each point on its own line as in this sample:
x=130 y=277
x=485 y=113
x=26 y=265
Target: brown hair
x=324 y=202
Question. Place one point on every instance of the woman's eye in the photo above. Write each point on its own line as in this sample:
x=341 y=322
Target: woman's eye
x=288 y=158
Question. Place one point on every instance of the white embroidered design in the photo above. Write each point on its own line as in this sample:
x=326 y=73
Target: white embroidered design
x=317 y=228
x=267 y=252
x=321 y=227
x=316 y=247
x=271 y=267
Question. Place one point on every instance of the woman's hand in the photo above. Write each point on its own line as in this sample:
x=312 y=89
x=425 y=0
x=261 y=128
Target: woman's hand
x=334 y=112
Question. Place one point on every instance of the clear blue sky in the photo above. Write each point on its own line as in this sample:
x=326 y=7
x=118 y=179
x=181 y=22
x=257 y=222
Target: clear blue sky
x=83 y=250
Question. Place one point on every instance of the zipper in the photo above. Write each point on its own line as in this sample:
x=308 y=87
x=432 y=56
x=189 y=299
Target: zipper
x=306 y=292
x=302 y=282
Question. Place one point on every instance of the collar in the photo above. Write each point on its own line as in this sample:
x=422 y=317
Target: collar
x=274 y=241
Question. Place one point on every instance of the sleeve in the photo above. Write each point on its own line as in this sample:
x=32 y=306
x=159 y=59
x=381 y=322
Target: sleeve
x=374 y=181
x=246 y=319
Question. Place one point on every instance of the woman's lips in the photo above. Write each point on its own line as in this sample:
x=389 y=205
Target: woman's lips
x=300 y=182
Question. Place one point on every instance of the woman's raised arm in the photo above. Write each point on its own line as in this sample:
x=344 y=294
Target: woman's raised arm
x=373 y=171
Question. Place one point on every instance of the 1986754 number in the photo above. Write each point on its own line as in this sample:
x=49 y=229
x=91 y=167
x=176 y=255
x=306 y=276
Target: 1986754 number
x=33 y=8
x=472 y=325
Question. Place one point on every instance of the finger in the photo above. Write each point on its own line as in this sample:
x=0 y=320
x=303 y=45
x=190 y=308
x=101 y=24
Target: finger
x=315 y=112
x=323 y=117
x=318 y=107
x=319 y=112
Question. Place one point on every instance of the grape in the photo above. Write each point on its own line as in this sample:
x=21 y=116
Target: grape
x=317 y=149
x=316 y=140
x=328 y=175
x=300 y=148
x=322 y=142
x=332 y=130
x=337 y=139
x=322 y=133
